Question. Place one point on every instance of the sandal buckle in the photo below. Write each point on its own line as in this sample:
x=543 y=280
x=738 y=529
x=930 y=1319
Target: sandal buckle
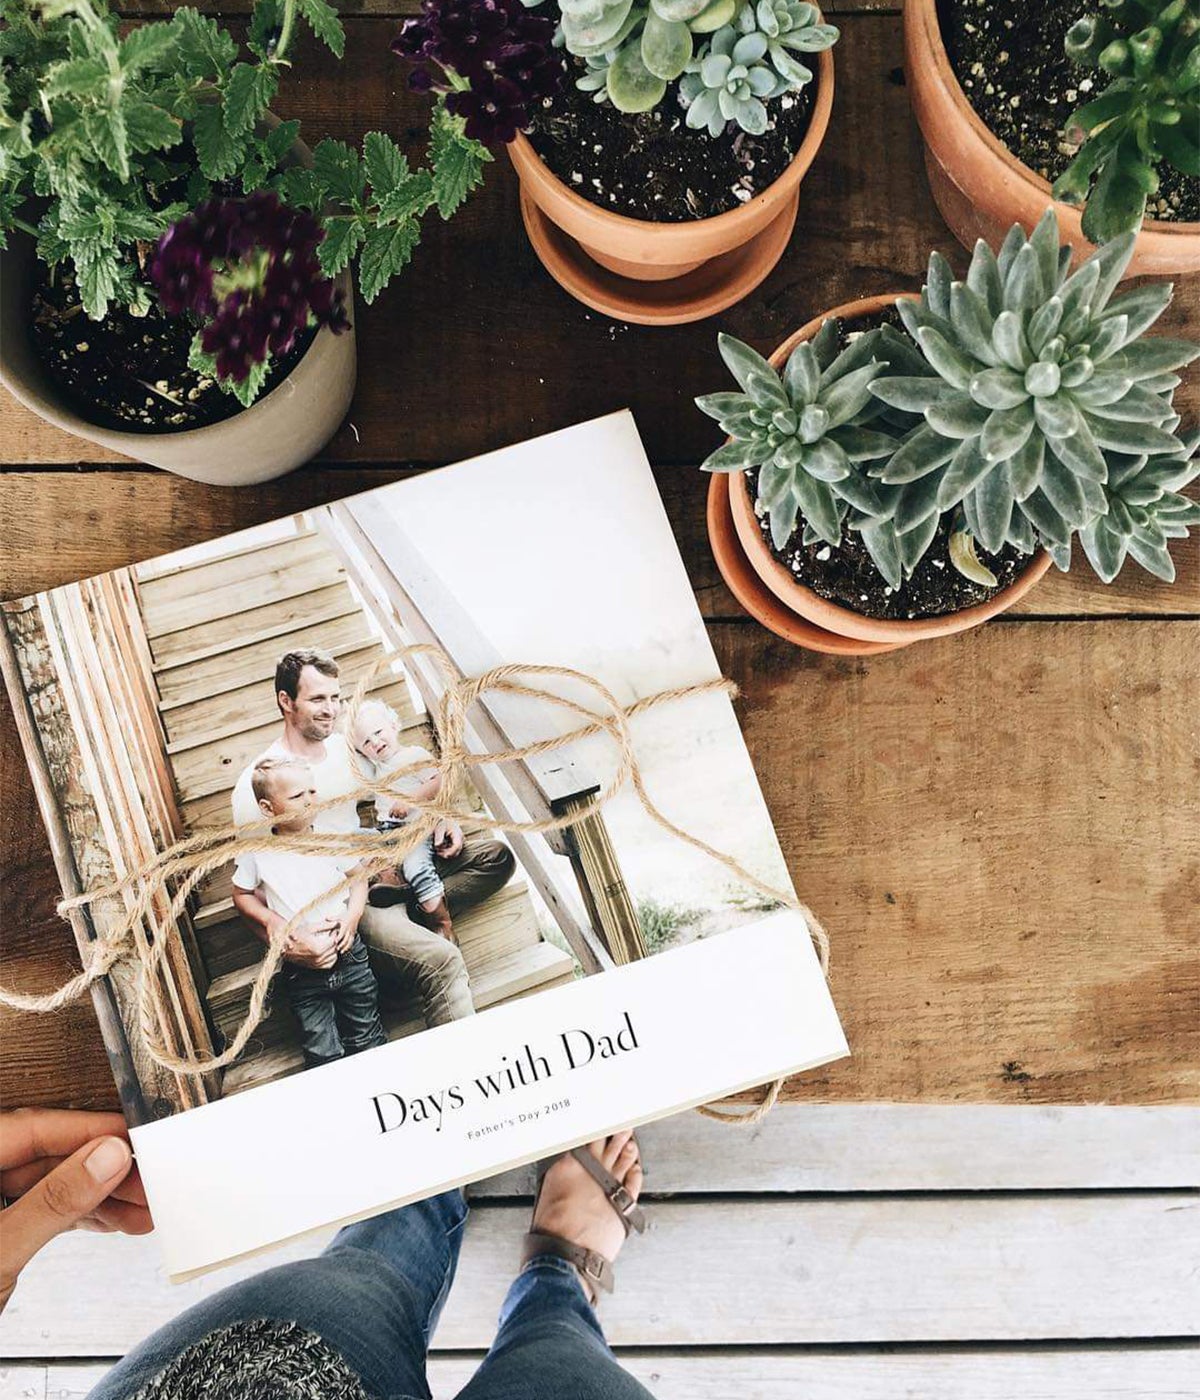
x=593 y=1266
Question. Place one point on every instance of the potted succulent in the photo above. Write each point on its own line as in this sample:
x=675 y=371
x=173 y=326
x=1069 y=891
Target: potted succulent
x=660 y=180
x=176 y=262
x=1096 y=106
x=908 y=467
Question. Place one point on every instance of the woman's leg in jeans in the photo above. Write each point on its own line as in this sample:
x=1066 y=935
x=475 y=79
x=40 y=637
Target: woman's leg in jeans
x=549 y=1345
x=374 y=1295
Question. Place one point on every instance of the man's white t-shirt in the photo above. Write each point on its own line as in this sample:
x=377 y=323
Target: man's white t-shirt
x=411 y=753
x=334 y=776
x=289 y=880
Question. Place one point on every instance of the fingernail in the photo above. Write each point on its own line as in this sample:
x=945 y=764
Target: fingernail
x=107 y=1159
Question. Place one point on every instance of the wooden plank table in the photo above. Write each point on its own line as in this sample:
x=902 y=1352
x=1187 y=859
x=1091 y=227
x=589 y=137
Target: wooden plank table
x=999 y=829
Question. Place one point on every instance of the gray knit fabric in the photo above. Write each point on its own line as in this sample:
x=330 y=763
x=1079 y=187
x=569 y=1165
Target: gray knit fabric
x=258 y=1360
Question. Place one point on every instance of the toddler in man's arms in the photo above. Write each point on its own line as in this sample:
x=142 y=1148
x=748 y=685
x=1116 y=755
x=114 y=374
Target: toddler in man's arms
x=376 y=737
x=336 y=1001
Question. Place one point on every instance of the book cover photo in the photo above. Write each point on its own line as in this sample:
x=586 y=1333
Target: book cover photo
x=601 y=934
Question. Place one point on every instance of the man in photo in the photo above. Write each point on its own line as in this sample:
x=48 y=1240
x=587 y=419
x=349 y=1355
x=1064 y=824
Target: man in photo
x=402 y=953
x=335 y=1000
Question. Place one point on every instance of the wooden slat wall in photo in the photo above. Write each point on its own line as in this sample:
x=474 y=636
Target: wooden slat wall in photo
x=106 y=792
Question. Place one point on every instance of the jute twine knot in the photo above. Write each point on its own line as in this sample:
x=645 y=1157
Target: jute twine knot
x=176 y=871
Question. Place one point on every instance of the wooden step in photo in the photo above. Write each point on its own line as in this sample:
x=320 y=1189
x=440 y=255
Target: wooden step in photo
x=276 y=572
x=258 y=623
x=216 y=673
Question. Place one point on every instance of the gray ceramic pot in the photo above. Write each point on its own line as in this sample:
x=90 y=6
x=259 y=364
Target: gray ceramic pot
x=273 y=436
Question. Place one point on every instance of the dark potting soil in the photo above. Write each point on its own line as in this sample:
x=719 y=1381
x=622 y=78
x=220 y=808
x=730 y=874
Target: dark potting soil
x=846 y=574
x=130 y=372
x=1016 y=75
x=650 y=165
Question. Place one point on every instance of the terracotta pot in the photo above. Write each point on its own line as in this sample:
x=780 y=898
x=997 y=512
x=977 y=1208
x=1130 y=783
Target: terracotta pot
x=980 y=187
x=613 y=262
x=830 y=617
x=274 y=435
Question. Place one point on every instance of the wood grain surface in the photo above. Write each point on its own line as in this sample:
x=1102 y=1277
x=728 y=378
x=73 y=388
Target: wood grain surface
x=1000 y=829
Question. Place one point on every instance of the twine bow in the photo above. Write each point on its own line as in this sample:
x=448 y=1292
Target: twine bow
x=176 y=871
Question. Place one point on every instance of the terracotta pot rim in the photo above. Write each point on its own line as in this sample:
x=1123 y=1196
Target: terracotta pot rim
x=532 y=169
x=833 y=616
x=924 y=14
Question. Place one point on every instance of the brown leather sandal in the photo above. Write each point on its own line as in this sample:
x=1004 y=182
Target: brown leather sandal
x=595 y=1268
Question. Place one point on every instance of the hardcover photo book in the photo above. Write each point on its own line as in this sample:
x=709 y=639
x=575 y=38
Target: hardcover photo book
x=588 y=922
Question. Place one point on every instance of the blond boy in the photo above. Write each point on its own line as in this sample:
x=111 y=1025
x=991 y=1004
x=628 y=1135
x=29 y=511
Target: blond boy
x=333 y=993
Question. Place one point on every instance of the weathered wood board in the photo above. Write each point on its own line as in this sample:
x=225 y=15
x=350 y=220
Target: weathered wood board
x=816 y=1373
x=855 y=1269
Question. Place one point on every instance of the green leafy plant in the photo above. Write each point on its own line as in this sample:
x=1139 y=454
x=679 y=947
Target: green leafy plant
x=1147 y=116
x=1041 y=373
x=106 y=142
x=633 y=51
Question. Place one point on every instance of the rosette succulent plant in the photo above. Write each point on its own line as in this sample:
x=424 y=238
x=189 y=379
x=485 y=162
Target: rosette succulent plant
x=789 y=27
x=1022 y=408
x=1041 y=376
x=730 y=84
x=634 y=50
x=1147 y=116
x=810 y=430
x=1145 y=510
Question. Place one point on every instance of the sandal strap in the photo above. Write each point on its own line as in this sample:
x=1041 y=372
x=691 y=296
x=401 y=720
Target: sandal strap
x=595 y=1268
x=626 y=1208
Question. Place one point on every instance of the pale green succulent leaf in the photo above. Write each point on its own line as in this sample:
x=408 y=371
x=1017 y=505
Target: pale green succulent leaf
x=967 y=468
x=911 y=393
x=1131 y=437
x=1006 y=431
x=998 y=388
x=881 y=543
x=949 y=362
x=923 y=451
x=802 y=374
x=993 y=509
x=1081 y=453
x=957 y=415
x=1009 y=343
x=1024 y=467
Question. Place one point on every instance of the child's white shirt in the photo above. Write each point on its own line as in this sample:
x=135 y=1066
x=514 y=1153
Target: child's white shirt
x=409 y=753
x=290 y=879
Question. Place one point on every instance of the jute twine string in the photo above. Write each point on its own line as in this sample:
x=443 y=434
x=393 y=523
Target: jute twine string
x=175 y=872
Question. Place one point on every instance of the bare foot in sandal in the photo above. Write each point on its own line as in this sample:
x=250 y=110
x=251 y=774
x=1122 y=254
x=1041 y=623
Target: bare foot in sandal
x=574 y=1207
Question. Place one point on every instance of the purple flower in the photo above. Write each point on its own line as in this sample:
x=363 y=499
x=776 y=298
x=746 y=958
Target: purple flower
x=502 y=53
x=248 y=269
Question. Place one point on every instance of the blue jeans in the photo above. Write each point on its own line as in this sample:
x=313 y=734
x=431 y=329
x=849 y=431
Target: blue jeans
x=376 y=1294
x=337 y=1008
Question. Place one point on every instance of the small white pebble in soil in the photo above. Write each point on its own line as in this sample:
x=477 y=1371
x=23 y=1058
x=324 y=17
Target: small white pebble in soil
x=787 y=103
x=823 y=554
x=937 y=564
x=887 y=592
x=576 y=177
x=1085 y=85
x=83 y=345
x=598 y=147
x=740 y=192
x=1015 y=100
x=863 y=597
